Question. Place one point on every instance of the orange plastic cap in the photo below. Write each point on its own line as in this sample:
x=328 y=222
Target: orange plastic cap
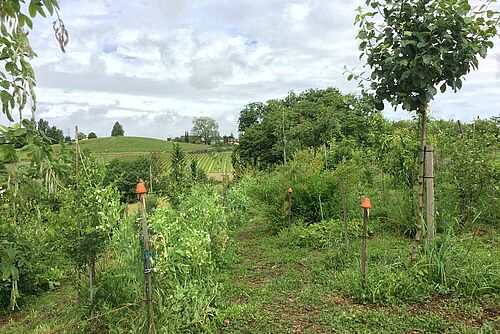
x=290 y=190
x=365 y=203
x=140 y=188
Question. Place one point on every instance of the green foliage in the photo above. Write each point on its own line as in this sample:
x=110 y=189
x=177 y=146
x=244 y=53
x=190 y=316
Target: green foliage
x=92 y=135
x=178 y=178
x=325 y=234
x=28 y=261
x=312 y=118
x=117 y=130
x=206 y=128
x=125 y=174
x=53 y=133
x=468 y=173
x=189 y=247
x=414 y=46
x=88 y=214
x=17 y=81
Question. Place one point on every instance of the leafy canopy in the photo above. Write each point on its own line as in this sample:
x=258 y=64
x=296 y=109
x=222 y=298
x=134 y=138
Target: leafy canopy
x=413 y=46
x=117 y=130
x=207 y=128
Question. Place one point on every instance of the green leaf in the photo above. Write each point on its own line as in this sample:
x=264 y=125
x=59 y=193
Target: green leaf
x=3 y=29
x=48 y=5
x=28 y=21
x=432 y=90
x=5 y=97
x=427 y=59
x=350 y=77
x=421 y=44
x=443 y=88
x=32 y=9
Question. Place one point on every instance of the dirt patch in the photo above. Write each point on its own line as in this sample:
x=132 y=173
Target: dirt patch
x=13 y=317
x=220 y=176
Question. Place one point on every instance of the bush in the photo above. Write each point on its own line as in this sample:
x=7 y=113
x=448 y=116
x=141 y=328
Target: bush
x=188 y=247
x=125 y=174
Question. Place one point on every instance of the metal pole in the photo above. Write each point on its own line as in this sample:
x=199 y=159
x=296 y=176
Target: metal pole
x=147 y=264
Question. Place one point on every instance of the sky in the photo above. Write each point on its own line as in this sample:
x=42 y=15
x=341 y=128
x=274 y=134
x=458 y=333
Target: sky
x=155 y=65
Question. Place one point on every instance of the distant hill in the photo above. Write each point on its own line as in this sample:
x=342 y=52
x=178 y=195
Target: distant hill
x=108 y=148
x=133 y=145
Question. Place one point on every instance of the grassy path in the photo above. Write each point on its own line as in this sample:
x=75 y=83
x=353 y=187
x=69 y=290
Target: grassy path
x=278 y=289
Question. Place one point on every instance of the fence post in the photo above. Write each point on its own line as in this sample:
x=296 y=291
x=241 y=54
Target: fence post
x=429 y=184
x=141 y=191
x=366 y=205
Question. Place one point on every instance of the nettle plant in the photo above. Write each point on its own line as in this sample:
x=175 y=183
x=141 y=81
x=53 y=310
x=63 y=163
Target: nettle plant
x=414 y=47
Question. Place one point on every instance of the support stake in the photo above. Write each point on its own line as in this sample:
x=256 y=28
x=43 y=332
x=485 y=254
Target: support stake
x=290 y=191
x=141 y=191
x=429 y=185
x=366 y=205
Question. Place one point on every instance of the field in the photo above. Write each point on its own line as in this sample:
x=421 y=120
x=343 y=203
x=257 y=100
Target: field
x=129 y=145
x=126 y=148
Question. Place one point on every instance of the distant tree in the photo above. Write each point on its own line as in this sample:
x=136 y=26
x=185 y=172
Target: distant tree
x=92 y=135
x=82 y=136
x=186 y=136
x=53 y=133
x=177 y=177
x=67 y=139
x=117 y=130
x=207 y=128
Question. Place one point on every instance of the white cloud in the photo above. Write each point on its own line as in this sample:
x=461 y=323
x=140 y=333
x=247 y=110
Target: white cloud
x=159 y=63
x=297 y=11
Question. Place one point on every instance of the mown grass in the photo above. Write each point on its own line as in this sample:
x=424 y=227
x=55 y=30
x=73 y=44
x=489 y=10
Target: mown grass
x=277 y=288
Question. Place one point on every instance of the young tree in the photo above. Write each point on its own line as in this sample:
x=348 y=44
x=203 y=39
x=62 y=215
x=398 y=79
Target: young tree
x=92 y=135
x=177 y=176
x=82 y=136
x=413 y=46
x=117 y=130
x=207 y=128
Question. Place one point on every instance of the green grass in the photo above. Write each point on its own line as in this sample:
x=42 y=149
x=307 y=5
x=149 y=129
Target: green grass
x=276 y=288
x=107 y=149
x=117 y=145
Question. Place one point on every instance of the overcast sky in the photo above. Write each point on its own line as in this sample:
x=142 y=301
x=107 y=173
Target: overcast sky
x=154 y=65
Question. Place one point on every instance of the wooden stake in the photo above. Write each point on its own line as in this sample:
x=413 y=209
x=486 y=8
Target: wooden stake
x=150 y=179
x=344 y=210
x=429 y=184
x=147 y=264
x=363 y=248
x=321 y=208
x=289 y=209
x=77 y=177
x=421 y=171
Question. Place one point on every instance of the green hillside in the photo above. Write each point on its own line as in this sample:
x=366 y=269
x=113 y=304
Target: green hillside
x=109 y=148
x=133 y=144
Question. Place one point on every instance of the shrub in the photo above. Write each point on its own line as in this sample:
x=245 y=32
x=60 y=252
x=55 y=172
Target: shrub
x=188 y=247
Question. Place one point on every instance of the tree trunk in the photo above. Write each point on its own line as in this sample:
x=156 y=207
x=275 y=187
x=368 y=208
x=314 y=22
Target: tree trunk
x=421 y=170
